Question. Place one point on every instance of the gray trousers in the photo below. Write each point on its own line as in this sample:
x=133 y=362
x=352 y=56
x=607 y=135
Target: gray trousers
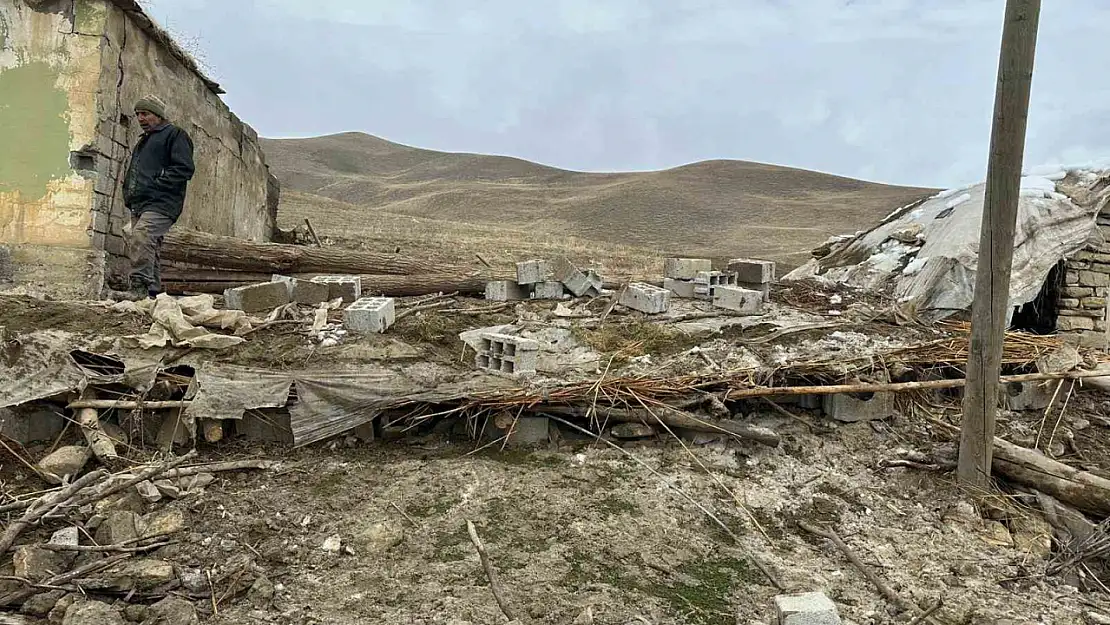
x=144 y=246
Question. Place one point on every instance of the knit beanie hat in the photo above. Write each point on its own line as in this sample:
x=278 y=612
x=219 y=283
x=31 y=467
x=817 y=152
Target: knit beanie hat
x=152 y=104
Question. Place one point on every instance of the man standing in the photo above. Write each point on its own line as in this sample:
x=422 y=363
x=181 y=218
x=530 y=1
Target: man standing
x=154 y=192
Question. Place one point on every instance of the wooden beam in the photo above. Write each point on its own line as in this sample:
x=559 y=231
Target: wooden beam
x=991 y=308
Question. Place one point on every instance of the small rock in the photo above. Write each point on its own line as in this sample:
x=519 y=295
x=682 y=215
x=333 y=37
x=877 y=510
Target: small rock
x=261 y=593
x=997 y=534
x=135 y=612
x=811 y=608
x=35 y=563
x=148 y=491
x=194 y=482
x=119 y=527
x=332 y=544
x=194 y=580
x=172 y=611
x=127 y=501
x=628 y=431
x=92 y=613
x=41 y=604
x=132 y=575
x=1033 y=535
x=379 y=537
x=163 y=523
x=58 y=613
x=167 y=488
x=65 y=461
x=70 y=536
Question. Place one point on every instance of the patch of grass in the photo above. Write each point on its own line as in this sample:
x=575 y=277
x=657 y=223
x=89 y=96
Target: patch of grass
x=634 y=338
x=703 y=597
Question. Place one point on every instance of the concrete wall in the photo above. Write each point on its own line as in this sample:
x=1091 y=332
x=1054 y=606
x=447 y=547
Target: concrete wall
x=49 y=76
x=76 y=68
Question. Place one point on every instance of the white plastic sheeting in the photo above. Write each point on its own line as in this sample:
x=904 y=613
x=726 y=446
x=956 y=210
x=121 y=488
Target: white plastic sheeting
x=926 y=254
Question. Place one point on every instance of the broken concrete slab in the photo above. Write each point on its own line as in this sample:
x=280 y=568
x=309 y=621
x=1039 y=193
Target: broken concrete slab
x=685 y=268
x=255 y=298
x=65 y=461
x=574 y=279
x=810 y=608
x=859 y=407
x=645 y=298
x=681 y=288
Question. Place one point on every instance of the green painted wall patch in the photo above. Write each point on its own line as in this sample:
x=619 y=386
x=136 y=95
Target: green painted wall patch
x=34 y=134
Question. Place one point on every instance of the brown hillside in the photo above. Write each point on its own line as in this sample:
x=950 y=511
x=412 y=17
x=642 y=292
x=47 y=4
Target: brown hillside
x=714 y=208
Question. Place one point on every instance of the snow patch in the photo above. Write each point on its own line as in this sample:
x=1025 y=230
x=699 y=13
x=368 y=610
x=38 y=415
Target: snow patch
x=915 y=266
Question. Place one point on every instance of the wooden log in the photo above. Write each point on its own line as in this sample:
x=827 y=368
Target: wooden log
x=231 y=253
x=213 y=430
x=100 y=443
x=387 y=285
x=671 y=417
x=1079 y=489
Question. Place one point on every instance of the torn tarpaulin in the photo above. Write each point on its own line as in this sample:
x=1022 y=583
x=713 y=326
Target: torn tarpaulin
x=181 y=322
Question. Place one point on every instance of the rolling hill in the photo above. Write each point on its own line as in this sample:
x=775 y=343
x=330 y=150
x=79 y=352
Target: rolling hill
x=711 y=208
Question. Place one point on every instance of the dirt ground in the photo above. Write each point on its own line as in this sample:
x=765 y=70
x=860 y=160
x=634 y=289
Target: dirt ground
x=579 y=530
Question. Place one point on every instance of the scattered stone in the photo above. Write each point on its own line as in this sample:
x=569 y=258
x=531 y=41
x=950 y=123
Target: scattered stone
x=811 y=608
x=119 y=527
x=70 y=536
x=163 y=523
x=379 y=537
x=193 y=580
x=131 y=575
x=632 y=431
x=190 y=483
x=261 y=593
x=332 y=544
x=41 y=604
x=127 y=501
x=58 y=613
x=92 y=613
x=172 y=611
x=167 y=488
x=135 y=612
x=65 y=461
x=35 y=563
x=148 y=491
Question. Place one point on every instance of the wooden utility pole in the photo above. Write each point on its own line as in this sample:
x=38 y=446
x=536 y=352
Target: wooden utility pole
x=991 y=310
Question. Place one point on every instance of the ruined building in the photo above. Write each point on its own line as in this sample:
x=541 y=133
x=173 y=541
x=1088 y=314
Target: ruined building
x=70 y=72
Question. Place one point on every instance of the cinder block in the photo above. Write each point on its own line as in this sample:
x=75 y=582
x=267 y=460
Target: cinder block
x=533 y=271
x=685 y=268
x=1027 y=395
x=764 y=288
x=736 y=299
x=811 y=608
x=305 y=291
x=681 y=288
x=752 y=271
x=505 y=291
x=645 y=298
x=26 y=425
x=575 y=281
x=348 y=288
x=264 y=296
x=549 y=290
x=268 y=425
x=510 y=355
x=370 y=314
x=595 y=283
x=849 y=408
x=706 y=282
x=529 y=431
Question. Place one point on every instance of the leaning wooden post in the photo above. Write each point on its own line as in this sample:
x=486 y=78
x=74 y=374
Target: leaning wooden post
x=991 y=308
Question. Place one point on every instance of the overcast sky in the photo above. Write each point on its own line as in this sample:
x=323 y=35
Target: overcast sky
x=892 y=90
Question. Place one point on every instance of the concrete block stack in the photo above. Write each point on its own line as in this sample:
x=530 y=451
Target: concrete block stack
x=509 y=355
x=754 y=275
x=542 y=279
x=347 y=288
x=645 y=298
x=1083 y=299
x=370 y=314
x=679 y=274
x=255 y=298
x=706 y=283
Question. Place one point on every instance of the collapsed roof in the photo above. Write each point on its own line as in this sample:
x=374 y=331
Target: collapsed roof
x=925 y=254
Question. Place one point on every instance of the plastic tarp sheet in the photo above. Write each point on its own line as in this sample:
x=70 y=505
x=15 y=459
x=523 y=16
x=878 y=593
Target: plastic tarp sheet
x=926 y=254
x=183 y=322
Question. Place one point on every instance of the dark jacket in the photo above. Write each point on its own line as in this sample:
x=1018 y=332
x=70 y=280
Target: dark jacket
x=160 y=170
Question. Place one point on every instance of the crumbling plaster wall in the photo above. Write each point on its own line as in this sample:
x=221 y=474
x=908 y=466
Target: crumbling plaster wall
x=49 y=75
x=230 y=192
